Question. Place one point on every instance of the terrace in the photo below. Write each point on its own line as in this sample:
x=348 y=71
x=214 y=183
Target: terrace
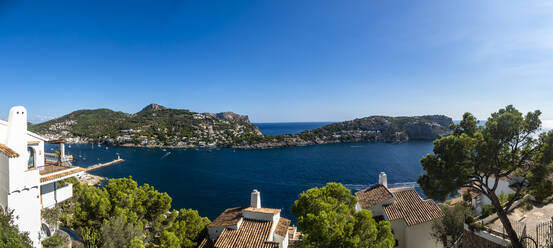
x=57 y=166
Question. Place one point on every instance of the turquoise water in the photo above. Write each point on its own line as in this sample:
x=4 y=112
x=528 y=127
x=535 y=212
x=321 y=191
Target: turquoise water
x=211 y=181
x=278 y=128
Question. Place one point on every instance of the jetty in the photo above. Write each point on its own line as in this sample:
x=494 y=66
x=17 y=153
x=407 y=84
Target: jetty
x=102 y=165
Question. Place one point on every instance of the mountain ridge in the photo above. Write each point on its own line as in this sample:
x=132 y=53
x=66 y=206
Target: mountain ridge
x=156 y=126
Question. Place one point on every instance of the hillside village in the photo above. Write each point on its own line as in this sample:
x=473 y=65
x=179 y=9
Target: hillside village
x=158 y=126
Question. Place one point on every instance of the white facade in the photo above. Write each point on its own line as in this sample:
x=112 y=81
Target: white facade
x=20 y=176
x=503 y=186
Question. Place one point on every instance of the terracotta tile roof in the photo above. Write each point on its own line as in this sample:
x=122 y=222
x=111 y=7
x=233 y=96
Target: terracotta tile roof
x=206 y=243
x=229 y=217
x=297 y=236
x=282 y=226
x=33 y=142
x=263 y=210
x=59 y=175
x=291 y=231
x=373 y=195
x=408 y=205
x=251 y=234
x=8 y=151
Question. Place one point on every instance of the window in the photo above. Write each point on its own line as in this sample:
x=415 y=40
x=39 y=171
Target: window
x=31 y=162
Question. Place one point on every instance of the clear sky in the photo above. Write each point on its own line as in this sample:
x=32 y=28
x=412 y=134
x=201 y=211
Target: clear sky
x=282 y=60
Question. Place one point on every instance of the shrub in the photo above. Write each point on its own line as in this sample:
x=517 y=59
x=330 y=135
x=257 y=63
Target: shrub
x=487 y=210
x=54 y=241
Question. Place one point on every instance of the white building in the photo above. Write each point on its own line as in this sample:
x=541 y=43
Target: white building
x=28 y=176
x=250 y=227
x=505 y=186
x=410 y=216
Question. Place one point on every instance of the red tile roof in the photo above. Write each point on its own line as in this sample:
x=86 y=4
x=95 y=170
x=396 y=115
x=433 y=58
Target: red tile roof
x=373 y=195
x=408 y=205
x=206 y=243
x=282 y=227
x=229 y=217
x=59 y=175
x=251 y=234
x=8 y=151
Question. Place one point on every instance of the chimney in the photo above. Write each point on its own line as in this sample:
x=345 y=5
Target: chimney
x=16 y=138
x=383 y=179
x=255 y=199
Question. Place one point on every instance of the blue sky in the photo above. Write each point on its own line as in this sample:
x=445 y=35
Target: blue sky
x=280 y=60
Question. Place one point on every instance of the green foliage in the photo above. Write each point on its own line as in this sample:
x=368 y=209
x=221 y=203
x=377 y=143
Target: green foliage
x=448 y=229
x=54 y=241
x=51 y=216
x=188 y=228
x=116 y=215
x=118 y=231
x=327 y=217
x=487 y=210
x=10 y=237
x=467 y=197
x=169 y=240
x=91 y=237
x=506 y=145
x=135 y=243
x=162 y=126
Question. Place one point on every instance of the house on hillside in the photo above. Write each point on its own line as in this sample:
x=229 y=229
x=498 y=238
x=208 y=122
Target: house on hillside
x=250 y=227
x=506 y=186
x=410 y=216
x=29 y=176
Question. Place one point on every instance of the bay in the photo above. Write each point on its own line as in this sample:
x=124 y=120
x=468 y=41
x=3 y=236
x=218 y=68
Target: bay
x=211 y=181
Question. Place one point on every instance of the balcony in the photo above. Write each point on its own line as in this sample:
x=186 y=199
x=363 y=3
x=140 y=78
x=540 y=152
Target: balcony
x=52 y=195
x=55 y=170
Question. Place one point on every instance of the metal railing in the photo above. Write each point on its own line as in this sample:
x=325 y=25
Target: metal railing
x=53 y=158
x=544 y=234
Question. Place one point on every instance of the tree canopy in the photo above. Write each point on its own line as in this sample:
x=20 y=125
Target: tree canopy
x=475 y=156
x=449 y=228
x=327 y=218
x=125 y=214
x=10 y=237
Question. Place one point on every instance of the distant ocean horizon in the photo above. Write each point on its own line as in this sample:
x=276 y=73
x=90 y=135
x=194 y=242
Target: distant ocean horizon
x=278 y=128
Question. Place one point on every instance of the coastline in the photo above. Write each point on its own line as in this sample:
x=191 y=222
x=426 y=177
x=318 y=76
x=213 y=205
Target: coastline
x=256 y=146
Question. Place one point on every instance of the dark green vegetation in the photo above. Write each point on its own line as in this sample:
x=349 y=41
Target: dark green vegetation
x=10 y=237
x=153 y=126
x=54 y=241
x=328 y=219
x=123 y=214
x=449 y=228
x=506 y=146
x=156 y=125
x=368 y=129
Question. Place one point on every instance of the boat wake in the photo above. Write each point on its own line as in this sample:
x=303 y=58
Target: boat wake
x=166 y=154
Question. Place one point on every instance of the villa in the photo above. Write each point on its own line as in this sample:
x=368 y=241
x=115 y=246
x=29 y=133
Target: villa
x=505 y=186
x=410 y=216
x=250 y=227
x=29 y=176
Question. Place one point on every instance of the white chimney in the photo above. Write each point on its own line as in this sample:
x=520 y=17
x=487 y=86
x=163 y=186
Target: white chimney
x=255 y=199
x=17 y=130
x=383 y=179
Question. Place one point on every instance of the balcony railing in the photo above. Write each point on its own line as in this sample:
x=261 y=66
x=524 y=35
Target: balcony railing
x=50 y=158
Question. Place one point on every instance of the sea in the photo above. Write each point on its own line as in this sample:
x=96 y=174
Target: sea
x=211 y=180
